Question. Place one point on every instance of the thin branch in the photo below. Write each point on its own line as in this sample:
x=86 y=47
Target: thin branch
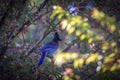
x=39 y=16
x=24 y=42
x=42 y=5
x=27 y=23
x=67 y=48
x=71 y=44
x=45 y=34
x=39 y=42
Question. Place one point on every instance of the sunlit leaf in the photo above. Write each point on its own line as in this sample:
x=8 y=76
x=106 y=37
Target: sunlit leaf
x=116 y=50
x=60 y=16
x=71 y=30
x=64 y=57
x=58 y=60
x=112 y=28
x=92 y=58
x=77 y=32
x=83 y=36
x=74 y=55
x=114 y=67
x=105 y=46
x=113 y=44
x=64 y=23
x=76 y=20
x=90 y=40
x=58 y=10
x=85 y=25
x=68 y=27
x=111 y=55
x=99 y=37
x=97 y=14
x=108 y=59
x=78 y=63
x=102 y=15
x=67 y=78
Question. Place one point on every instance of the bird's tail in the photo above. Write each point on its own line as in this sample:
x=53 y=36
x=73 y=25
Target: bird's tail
x=41 y=59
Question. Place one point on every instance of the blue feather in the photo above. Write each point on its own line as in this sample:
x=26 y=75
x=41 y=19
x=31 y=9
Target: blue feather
x=49 y=48
x=41 y=59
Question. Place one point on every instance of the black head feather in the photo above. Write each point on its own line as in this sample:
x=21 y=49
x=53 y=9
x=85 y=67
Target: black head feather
x=57 y=37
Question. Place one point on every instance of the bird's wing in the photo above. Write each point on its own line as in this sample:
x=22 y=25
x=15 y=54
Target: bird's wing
x=49 y=47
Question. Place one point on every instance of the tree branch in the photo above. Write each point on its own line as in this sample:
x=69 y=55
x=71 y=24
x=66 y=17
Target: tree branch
x=42 y=5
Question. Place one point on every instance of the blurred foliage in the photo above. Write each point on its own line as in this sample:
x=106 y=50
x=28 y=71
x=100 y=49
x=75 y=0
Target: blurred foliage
x=90 y=35
x=86 y=33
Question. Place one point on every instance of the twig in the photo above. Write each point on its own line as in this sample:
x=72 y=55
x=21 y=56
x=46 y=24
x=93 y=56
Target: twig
x=42 y=5
x=38 y=43
x=45 y=34
x=67 y=48
x=24 y=42
x=27 y=23
x=39 y=16
x=71 y=44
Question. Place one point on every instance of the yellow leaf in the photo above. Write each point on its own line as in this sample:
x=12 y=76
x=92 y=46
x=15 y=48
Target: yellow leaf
x=71 y=30
x=113 y=44
x=57 y=10
x=112 y=27
x=64 y=23
x=111 y=55
x=78 y=63
x=108 y=59
x=81 y=61
x=85 y=25
x=68 y=27
x=116 y=50
x=83 y=36
x=97 y=37
x=57 y=7
x=90 y=40
x=77 y=33
x=74 y=55
x=97 y=14
x=64 y=57
x=113 y=68
x=105 y=46
x=102 y=15
x=60 y=16
x=92 y=58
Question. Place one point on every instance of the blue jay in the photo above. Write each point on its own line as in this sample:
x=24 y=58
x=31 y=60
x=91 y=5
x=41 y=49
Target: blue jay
x=49 y=48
